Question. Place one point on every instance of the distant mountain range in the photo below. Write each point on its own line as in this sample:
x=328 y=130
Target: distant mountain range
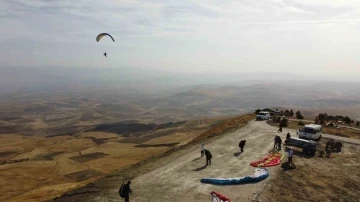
x=138 y=93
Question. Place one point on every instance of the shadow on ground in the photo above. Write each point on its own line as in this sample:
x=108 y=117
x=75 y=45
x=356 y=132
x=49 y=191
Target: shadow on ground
x=286 y=166
x=199 y=168
x=196 y=159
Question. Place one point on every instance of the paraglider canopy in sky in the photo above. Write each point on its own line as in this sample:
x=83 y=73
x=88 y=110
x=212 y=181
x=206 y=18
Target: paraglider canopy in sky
x=102 y=35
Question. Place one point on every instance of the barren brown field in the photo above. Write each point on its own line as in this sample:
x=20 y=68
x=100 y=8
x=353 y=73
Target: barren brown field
x=38 y=168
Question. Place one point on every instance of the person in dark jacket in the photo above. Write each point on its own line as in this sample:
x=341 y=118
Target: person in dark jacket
x=275 y=142
x=208 y=157
x=127 y=191
x=280 y=129
x=279 y=142
x=338 y=146
x=287 y=136
x=242 y=145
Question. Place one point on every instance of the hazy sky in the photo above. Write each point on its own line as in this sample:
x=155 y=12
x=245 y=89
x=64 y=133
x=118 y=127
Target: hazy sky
x=320 y=36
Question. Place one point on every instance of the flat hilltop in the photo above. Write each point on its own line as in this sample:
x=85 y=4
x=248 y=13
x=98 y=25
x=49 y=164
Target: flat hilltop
x=175 y=176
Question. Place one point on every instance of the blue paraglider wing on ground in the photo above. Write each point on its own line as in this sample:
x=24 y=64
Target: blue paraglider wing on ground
x=259 y=175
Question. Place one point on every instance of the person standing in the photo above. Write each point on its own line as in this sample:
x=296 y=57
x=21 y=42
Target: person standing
x=275 y=142
x=290 y=155
x=287 y=136
x=338 y=146
x=202 y=149
x=208 y=157
x=280 y=129
x=127 y=191
x=279 y=142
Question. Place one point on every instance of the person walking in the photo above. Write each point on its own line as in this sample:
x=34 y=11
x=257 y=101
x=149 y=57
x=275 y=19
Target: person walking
x=127 y=191
x=202 y=149
x=242 y=145
x=280 y=129
x=208 y=157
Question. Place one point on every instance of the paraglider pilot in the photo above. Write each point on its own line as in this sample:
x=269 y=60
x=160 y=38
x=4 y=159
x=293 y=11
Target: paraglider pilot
x=208 y=157
x=127 y=191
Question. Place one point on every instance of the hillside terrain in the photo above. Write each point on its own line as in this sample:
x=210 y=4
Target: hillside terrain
x=34 y=168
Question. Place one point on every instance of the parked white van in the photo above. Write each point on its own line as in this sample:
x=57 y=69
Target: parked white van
x=310 y=131
x=263 y=115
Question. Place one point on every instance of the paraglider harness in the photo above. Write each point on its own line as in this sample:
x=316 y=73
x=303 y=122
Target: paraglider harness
x=121 y=191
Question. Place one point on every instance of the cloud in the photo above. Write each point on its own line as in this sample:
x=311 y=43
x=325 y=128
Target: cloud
x=187 y=35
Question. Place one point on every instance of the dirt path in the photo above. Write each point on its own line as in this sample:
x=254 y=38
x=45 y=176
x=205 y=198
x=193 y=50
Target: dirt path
x=176 y=177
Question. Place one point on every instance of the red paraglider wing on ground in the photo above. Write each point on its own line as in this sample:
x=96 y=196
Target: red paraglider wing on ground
x=221 y=197
x=270 y=160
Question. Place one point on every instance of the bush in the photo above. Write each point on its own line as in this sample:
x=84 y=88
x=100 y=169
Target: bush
x=301 y=123
x=257 y=111
x=357 y=123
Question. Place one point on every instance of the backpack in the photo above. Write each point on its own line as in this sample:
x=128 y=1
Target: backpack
x=121 y=191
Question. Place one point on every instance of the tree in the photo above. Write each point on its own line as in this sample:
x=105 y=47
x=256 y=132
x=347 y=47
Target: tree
x=291 y=112
x=321 y=119
x=316 y=120
x=299 y=115
x=287 y=113
x=347 y=120
x=274 y=119
x=257 y=111
x=357 y=123
x=283 y=122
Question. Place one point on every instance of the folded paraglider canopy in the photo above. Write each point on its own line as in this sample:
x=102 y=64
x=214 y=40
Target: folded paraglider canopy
x=102 y=35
